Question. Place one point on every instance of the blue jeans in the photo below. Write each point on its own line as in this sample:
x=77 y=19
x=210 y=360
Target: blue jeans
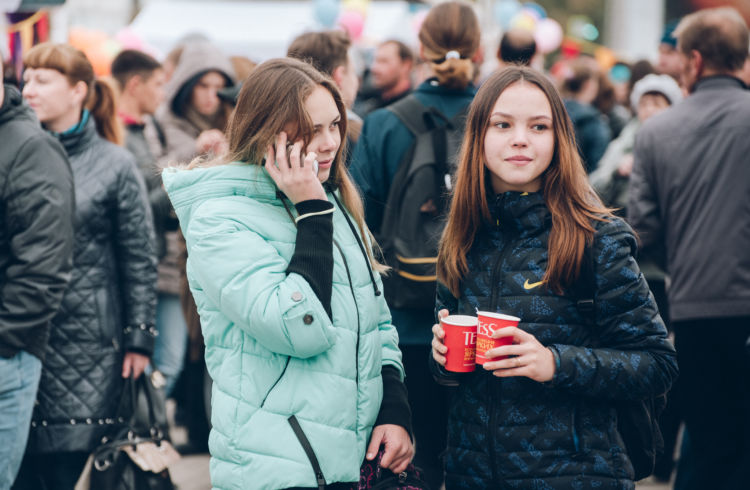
x=19 y=381
x=171 y=343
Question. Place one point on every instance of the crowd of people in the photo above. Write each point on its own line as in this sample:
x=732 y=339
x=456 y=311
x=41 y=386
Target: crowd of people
x=242 y=233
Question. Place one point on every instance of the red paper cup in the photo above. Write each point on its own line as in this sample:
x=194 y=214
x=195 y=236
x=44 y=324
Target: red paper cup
x=461 y=340
x=488 y=323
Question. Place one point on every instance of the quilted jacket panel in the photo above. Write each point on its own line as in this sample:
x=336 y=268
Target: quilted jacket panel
x=110 y=302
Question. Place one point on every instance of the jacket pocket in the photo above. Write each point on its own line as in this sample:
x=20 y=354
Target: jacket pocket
x=309 y=452
x=268 y=393
x=105 y=318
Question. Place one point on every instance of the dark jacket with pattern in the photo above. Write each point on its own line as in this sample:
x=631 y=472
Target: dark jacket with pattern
x=109 y=305
x=36 y=228
x=519 y=433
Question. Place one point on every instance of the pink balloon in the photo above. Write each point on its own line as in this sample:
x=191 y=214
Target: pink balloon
x=353 y=22
x=548 y=35
x=129 y=39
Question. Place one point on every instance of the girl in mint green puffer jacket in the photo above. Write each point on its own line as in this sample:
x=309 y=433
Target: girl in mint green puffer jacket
x=299 y=341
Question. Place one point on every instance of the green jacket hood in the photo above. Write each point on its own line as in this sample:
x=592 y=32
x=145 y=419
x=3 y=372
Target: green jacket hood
x=188 y=188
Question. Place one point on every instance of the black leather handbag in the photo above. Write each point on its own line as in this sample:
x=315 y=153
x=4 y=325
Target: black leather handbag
x=135 y=456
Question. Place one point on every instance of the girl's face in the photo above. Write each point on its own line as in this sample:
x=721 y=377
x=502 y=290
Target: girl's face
x=520 y=141
x=52 y=98
x=326 y=138
x=204 y=98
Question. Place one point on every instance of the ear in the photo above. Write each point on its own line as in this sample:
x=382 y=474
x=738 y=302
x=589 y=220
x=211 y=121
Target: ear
x=696 y=62
x=132 y=84
x=338 y=75
x=79 y=91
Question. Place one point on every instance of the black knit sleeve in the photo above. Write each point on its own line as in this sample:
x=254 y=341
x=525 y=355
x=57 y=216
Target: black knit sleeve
x=313 y=251
x=395 y=406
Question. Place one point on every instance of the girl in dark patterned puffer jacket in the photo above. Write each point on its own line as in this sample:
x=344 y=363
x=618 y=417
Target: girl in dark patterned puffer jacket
x=524 y=226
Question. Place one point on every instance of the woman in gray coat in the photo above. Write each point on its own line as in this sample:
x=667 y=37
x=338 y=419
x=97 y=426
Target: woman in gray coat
x=104 y=330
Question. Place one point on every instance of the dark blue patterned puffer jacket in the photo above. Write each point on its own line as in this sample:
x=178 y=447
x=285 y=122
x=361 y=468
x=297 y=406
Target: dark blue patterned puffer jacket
x=518 y=433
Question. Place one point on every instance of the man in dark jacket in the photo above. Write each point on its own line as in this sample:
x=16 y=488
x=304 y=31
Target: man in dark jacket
x=36 y=242
x=689 y=204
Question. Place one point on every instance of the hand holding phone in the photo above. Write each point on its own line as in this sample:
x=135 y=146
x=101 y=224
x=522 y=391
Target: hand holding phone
x=292 y=173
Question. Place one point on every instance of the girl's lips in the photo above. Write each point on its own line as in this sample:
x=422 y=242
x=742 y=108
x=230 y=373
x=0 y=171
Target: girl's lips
x=325 y=163
x=518 y=159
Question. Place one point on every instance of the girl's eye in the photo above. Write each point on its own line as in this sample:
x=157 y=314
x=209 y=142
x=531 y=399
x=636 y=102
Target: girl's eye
x=539 y=127
x=335 y=124
x=502 y=125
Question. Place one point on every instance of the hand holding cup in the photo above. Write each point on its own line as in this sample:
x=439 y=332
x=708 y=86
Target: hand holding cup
x=526 y=356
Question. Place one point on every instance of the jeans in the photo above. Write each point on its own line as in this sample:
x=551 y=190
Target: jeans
x=171 y=343
x=19 y=381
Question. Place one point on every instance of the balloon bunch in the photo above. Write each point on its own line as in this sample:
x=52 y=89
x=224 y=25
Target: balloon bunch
x=351 y=18
x=101 y=49
x=512 y=14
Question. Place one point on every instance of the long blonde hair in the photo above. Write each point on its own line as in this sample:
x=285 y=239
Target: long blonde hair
x=101 y=99
x=272 y=100
x=567 y=193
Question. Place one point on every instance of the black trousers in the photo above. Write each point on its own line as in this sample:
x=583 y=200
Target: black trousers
x=715 y=377
x=429 y=413
x=54 y=471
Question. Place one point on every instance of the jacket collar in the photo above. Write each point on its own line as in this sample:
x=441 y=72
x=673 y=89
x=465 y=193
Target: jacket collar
x=431 y=86
x=719 y=82
x=80 y=136
x=13 y=107
x=524 y=212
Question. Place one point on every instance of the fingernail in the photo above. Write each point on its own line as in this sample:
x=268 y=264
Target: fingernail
x=370 y=456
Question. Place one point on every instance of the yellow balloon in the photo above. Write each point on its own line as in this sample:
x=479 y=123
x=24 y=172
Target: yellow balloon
x=524 y=21
x=358 y=5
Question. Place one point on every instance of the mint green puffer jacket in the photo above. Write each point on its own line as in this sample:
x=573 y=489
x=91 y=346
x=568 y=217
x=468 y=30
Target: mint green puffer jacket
x=271 y=349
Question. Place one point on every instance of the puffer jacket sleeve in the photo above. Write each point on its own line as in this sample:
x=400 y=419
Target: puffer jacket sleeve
x=391 y=354
x=136 y=259
x=38 y=216
x=253 y=290
x=633 y=358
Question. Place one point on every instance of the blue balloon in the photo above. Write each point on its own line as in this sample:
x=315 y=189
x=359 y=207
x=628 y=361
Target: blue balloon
x=505 y=11
x=536 y=9
x=326 y=12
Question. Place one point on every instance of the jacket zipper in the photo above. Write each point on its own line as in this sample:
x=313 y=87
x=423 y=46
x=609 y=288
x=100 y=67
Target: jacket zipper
x=574 y=430
x=356 y=306
x=276 y=382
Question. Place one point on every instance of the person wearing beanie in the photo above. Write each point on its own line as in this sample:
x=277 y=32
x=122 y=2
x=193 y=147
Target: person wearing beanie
x=650 y=96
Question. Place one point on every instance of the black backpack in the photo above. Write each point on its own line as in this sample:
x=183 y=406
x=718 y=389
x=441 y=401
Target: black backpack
x=637 y=420
x=417 y=205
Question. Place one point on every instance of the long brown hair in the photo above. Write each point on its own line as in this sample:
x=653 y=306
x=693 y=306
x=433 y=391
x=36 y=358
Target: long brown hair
x=567 y=193
x=451 y=26
x=100 y=100
x=272 y=100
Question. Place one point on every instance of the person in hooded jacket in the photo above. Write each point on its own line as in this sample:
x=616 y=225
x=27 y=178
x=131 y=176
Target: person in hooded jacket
x=449 y=40
x=104 y=330
x=527 y=236
x=308 y=379
x=193 y=117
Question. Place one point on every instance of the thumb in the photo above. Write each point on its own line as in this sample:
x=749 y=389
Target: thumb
x=375 y=440
x=443 y=313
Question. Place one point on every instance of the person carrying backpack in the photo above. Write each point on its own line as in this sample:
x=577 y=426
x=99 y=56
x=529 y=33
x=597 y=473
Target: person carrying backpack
x=527 y=236
x=449 y=39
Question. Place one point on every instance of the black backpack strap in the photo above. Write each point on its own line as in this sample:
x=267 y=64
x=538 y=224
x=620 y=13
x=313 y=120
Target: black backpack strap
x=307 y=447
x=411 y=112
x=586 y=286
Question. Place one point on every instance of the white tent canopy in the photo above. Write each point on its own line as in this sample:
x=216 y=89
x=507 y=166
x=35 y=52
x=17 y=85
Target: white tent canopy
x=258 y=30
